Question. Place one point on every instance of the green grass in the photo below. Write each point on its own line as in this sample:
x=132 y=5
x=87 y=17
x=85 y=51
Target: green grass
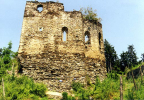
x=131 y=92
x=110 y=88
x=128 y=85
x=22 y=88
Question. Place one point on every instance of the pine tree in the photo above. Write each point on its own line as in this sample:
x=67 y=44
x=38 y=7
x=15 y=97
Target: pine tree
x=128 y=58
x=112 y=61
x=123 y=60
x=132 y=58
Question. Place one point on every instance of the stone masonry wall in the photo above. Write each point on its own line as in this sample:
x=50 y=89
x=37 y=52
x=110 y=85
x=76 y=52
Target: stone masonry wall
x=52 y=67
x=46 y=57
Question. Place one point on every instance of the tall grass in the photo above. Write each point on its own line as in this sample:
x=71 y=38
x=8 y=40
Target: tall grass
x=22 y=88
x=136 y=94
x=106 y=89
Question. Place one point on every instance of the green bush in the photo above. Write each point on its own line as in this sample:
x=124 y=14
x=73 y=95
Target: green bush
x=23 y=88
x=80 y=92
x=113 y=75
x=100 y=90
x=66 y=97
x=39 y=90
x=76 y=86
x=2 y=71
x=17 y=87
x=105 y=89
x=6 y=59
x=136 y=94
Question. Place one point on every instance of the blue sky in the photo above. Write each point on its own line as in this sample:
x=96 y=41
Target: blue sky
x=122 y=20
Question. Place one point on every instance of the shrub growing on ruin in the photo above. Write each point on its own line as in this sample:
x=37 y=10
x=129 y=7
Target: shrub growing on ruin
x=90 y=14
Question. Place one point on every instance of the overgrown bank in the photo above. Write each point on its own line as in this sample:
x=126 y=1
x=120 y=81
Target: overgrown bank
x=17 y=87
x=108 y=89
x=22 y=87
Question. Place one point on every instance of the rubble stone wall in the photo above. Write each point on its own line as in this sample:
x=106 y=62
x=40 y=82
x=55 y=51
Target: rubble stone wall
x=45 y=56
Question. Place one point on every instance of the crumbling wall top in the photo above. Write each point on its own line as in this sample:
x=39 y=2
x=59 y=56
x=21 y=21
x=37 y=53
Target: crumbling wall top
x=94 y=22
x=45 y=2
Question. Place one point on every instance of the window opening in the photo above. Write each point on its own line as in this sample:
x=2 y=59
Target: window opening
x=65 y=32
x=64 y=35
x=87 y=37
x=40 y=8
x=100 y=40
x=60 y=80
x=40 y=29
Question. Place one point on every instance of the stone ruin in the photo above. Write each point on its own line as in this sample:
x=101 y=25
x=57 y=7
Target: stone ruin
x=58 y=47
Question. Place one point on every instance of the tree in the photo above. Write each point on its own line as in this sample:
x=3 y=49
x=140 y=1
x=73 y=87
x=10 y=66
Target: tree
x=7 y=51
x=132 y=58
x=128 y=58
x=6 y=55
x=112 y=61
x=89 y=14
x=123 y=60
x=0 y=51
x=142 y=56
x=5 y=58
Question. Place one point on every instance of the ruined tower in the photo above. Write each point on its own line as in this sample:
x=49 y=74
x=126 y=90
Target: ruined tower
x=53 y=47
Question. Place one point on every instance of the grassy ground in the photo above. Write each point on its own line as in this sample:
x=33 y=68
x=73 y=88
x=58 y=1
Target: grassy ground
x=110 y=89
x=19 y=87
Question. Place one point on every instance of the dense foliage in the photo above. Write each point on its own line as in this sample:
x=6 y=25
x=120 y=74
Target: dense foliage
x=66 y=97
x=114 y=64
x=112 y=60
x=128 y=58
x=107 y=89
x=5 y=59
x=100 y=90
x=22 y=87
x=136 y=94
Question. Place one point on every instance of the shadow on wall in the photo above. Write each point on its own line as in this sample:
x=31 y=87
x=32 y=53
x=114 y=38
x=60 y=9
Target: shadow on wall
x=136 y=73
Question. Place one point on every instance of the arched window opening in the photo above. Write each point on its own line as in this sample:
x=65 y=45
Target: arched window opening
x=40 y=8
x=100 y=40
x=87 y=37
x=65 y=33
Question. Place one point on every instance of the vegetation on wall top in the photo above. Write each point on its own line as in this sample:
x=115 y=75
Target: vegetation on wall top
x=89 y=14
